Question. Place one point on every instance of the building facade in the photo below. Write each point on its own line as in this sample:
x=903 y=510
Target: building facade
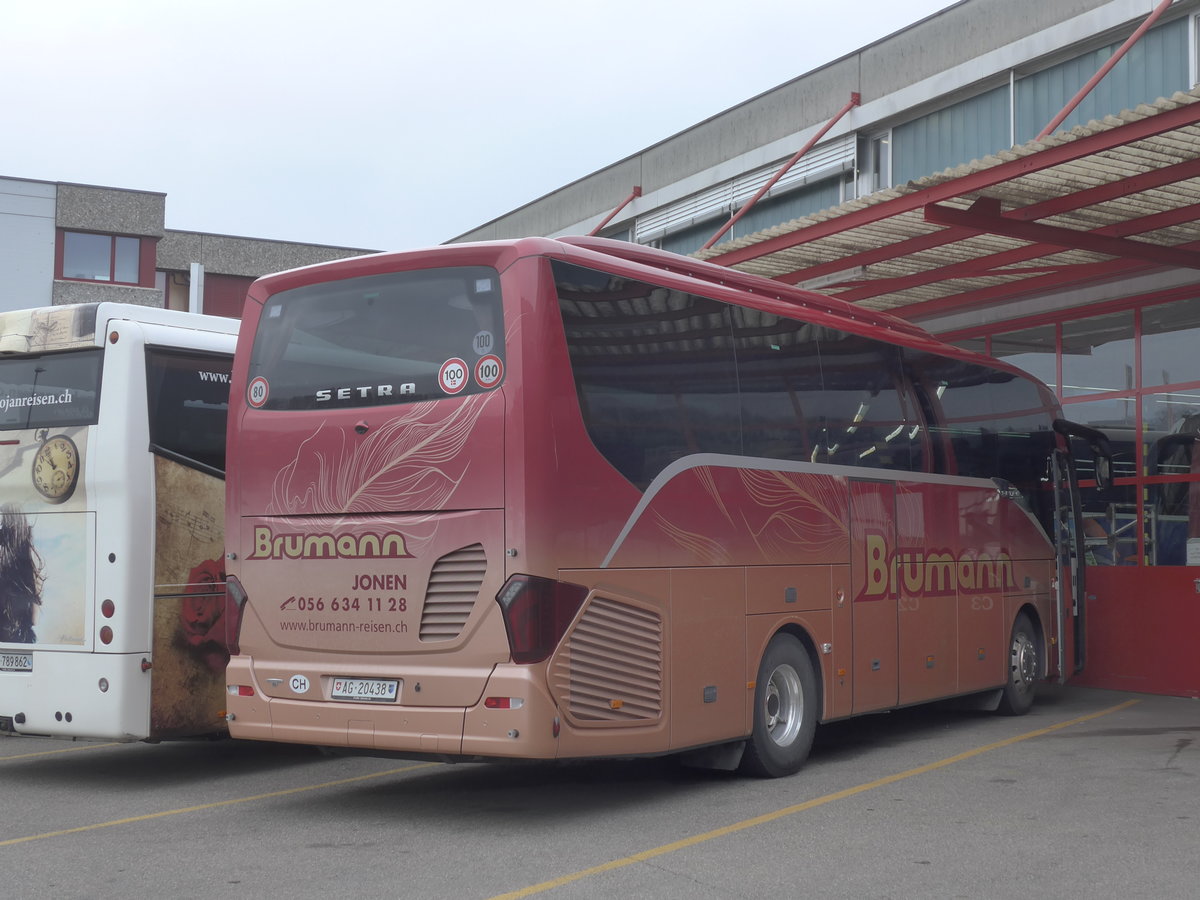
x=73 y=243
x=950 y=180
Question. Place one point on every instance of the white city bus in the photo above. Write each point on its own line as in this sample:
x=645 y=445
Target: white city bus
x=112 y=458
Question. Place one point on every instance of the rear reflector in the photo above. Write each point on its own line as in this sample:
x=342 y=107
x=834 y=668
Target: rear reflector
x=504 y=702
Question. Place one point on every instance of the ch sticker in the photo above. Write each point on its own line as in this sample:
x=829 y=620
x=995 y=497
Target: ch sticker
x=298 y=684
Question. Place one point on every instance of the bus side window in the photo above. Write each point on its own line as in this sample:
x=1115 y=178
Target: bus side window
x=188 y=402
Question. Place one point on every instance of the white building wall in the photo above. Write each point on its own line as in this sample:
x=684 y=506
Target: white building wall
x=26 y=243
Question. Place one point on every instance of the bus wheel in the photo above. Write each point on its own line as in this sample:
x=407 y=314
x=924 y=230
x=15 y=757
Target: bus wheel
x=785 y=710
x=1023 y=669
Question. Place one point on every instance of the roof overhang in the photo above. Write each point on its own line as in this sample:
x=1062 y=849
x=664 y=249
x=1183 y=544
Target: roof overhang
x=1099 y=203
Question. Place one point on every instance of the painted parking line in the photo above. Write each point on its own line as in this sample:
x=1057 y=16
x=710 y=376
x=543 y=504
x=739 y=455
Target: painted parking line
x=799 y=807
x=217 y=805
x=59 y=750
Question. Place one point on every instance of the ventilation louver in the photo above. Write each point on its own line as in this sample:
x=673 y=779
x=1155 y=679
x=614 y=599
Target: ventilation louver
x=453 y=589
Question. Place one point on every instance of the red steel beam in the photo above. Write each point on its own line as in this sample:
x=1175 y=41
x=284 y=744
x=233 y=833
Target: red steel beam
x=1104 y=69
x=986 y=265
x=984 y=296
x=1068 y=238
x=1121 y=187
x=855 y=100
x=1169 y=120
x=636 y=192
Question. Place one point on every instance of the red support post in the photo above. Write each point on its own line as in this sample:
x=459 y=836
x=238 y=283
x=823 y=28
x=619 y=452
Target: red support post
x=1104 y=69
x=855 y=100
x=636 y=192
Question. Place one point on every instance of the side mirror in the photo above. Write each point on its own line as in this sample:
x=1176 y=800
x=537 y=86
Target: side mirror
x=1098 y=442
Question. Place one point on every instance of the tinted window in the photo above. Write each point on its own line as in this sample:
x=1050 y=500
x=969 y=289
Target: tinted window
x=188 y=394
x=654 y=370
x=993 y=424
x=50 y=391
x=819 y=395
x=399 y=337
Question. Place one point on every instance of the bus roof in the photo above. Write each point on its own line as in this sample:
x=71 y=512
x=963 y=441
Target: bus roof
x=51 y=328
x=638 y=261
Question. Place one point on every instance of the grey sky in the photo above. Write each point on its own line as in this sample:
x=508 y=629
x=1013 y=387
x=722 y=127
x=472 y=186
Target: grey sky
x=385 y=124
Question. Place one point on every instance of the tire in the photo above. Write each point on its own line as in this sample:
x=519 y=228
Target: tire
x=1024 y=669
x=785 y=710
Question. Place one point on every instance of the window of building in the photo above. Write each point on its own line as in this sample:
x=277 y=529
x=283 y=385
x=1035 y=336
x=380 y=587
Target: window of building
x=1170 y=336
x=1032 y=350
x=967 y=130
x=1134 y=375
x=100 y=257
x=1098 y=355
x=1156 y=66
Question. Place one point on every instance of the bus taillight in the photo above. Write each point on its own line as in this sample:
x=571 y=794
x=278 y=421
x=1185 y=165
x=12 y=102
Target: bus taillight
x=537 y=613
x=235 y=604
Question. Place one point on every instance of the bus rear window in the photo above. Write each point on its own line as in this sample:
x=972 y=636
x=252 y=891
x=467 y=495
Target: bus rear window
x=49 y=391
x=380 y=339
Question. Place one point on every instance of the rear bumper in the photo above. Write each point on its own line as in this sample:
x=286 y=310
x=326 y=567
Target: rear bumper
x=528 y=732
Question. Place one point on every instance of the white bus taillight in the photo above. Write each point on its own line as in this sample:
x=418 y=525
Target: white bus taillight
x=235 y=604
x=537 y=613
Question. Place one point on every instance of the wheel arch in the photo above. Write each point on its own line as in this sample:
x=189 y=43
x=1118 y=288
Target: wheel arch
x=798 y=631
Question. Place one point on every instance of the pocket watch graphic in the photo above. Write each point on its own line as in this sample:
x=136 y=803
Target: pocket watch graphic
x=56 y=468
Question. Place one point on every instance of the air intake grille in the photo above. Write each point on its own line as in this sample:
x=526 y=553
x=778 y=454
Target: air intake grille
x=611 y=670
x=453 y=588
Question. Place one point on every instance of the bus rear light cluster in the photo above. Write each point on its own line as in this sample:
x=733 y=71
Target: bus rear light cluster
x=108 y=609
x=537 y=613
x=504 y=702
x=106 y=635
x=240 y=690
x=235 y=598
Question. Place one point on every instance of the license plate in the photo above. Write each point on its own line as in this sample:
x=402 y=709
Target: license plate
x=373 y=690
x=16 y=662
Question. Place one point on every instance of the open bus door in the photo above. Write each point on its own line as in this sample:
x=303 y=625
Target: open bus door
x=1070 y=569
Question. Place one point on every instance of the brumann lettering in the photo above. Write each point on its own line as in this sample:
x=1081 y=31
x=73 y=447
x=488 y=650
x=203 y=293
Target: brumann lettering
x=933 y=572
x=268 y=545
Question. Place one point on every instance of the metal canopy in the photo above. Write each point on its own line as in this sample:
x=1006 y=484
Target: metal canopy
x=1100 y=202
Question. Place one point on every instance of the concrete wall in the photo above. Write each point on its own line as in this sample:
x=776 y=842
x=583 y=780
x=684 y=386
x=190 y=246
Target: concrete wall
x=773 y=125
x=26 y=243
x=111 y=210
x=251 y=257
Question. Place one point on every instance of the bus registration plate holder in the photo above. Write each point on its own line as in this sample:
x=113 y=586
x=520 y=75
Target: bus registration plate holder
x=370 y=690
x=16 y=662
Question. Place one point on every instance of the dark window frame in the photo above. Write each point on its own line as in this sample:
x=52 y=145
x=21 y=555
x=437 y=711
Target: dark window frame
x=144 y=262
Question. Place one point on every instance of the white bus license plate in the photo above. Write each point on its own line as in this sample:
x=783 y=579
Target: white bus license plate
x=375 y=690
x=16 y=662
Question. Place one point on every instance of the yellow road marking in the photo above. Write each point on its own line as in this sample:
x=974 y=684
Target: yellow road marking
x=187 y=809
x=59 y=750
x=799 y=807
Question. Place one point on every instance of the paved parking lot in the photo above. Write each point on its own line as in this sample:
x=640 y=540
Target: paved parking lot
x=1093 y=794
